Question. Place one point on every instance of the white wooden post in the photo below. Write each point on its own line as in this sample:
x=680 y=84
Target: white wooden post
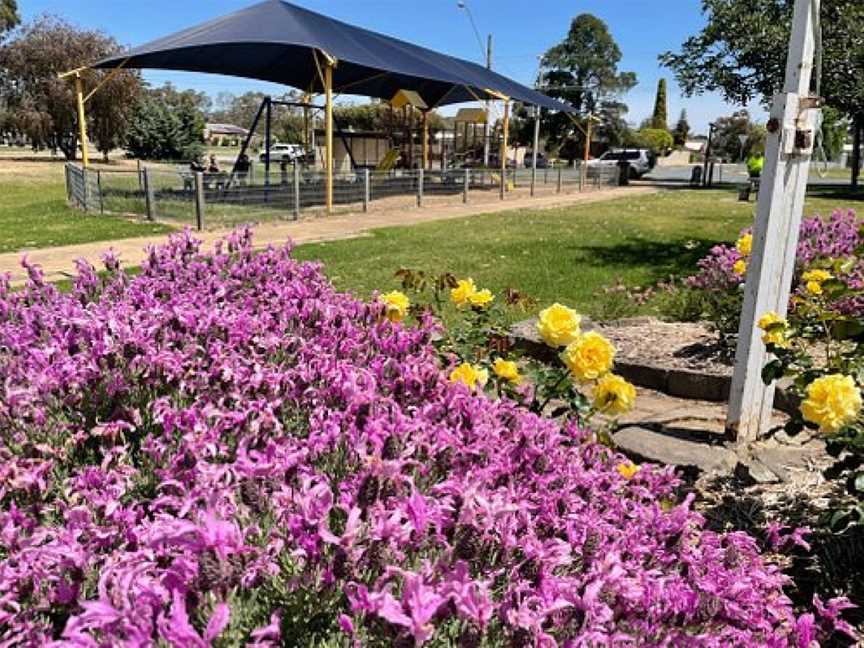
x=795 y=120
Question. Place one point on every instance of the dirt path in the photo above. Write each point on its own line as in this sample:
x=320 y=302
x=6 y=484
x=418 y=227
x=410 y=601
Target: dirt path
x=59 y=262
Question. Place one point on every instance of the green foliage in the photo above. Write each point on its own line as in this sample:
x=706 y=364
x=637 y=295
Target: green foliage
x=43 y=106
x=659 y=141
x=835 y=129
x=681 y=132
x=817 y=326
x=168 y=125
x=660 y=116
x=582 y=70
x=726 y=144
x=9 y=16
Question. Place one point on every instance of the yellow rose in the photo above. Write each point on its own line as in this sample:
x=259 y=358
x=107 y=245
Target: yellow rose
x=462 y=293
x=396 y=305
x=628 y=469
x=775 y=328
x=832 y=402
x=818 y=276
x=589 y=357
x=614 y=395
x=814 y=287
x=745 y=244
x=506 y=370
x=740 y=267
x=559 y=325
x=481 y=298
x=469 y=375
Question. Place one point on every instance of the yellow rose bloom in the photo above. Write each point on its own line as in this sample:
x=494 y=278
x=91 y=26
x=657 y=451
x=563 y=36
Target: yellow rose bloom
x=506 y=370
x=775 y=328
x=462 y=293
x=628 y=469
x=818 y=276
x=396 y=304
x=614 y=395
x=481 y=298
x=740 y=267
x=745 y=244
x=559 y=325
x=832 y=402
x=814 y=287
x=469 y=375
x=589 y=357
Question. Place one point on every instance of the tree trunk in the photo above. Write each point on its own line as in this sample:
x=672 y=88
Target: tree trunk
x=856 y=150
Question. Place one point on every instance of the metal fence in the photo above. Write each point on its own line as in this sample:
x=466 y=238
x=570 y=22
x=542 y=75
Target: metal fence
x=212 y=200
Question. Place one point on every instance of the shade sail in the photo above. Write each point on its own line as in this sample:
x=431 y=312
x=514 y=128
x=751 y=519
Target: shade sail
x=277 y=41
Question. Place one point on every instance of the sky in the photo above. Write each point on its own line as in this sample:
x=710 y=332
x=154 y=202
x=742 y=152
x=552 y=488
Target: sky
x=522 y=30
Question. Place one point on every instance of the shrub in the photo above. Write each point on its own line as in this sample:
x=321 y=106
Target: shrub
x=722 y=273
x=223 y=448
x=659 y=141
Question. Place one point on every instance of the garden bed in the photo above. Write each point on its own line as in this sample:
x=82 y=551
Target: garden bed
x=225 y=449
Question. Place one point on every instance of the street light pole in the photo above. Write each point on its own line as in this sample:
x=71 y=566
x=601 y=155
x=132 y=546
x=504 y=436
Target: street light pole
x=488 y=55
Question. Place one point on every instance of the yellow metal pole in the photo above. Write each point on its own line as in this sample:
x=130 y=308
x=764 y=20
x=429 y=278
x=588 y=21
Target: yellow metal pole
x=328 y=137
x=82 y=124
x=505 y=135
x=425 y=139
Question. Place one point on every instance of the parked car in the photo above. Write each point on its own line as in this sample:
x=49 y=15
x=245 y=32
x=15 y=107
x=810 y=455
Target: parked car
x=279 y=152
x=542 y=161
x=641 y=160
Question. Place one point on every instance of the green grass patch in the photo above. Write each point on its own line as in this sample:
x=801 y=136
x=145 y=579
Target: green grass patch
x=567 y=255
x=34 y=214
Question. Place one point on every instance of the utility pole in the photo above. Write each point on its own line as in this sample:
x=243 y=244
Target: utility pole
x=795 y=119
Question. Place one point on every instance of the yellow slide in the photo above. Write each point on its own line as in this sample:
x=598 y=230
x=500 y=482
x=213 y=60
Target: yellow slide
x=389 y=161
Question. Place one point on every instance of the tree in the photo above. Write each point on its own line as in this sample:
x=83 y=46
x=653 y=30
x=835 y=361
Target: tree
x=9 y=18
x=681 y=133
x=660 y=117
x=582 y=70
x=43 y=106
x=742 y=51
x=726 y=142
x=168 y=124
x=658 y=140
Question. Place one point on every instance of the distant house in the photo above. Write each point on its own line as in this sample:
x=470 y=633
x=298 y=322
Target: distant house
x=224 y=134
x=696 y=144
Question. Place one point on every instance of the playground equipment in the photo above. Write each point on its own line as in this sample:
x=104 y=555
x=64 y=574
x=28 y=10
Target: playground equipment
x=320 y=55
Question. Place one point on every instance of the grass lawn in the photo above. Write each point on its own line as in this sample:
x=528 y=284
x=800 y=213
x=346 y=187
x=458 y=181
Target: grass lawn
x=566 y=254
x=34 y=213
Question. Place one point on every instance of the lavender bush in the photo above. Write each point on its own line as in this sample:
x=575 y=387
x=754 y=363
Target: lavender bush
x=224 y=451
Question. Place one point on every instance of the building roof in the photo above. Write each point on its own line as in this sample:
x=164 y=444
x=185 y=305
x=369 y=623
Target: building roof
x=282 y=43
x=226 y=129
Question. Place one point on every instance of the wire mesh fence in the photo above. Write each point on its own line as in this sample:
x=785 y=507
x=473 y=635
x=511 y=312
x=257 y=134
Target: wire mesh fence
x=178 y=195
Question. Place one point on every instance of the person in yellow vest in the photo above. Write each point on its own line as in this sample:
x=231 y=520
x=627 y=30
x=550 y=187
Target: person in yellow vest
x=755 y=164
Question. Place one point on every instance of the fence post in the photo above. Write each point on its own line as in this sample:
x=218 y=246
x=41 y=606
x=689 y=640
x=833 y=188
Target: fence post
x=560 y=178
x=582 y=176
x=546 y=174
x=420 y=179
x=68 y=184
x=199 y=200
x=296 y=191
x=149 y=195
x=140 y=178
x=85 y=194
x=366 y=190
x=465 y=187
x=99 y=189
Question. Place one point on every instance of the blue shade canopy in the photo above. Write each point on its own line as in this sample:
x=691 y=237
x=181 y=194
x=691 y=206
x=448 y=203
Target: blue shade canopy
x=279 y=42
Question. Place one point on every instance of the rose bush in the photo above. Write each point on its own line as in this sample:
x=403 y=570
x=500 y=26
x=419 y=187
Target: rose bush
x=224 y=450
x=722 y=273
